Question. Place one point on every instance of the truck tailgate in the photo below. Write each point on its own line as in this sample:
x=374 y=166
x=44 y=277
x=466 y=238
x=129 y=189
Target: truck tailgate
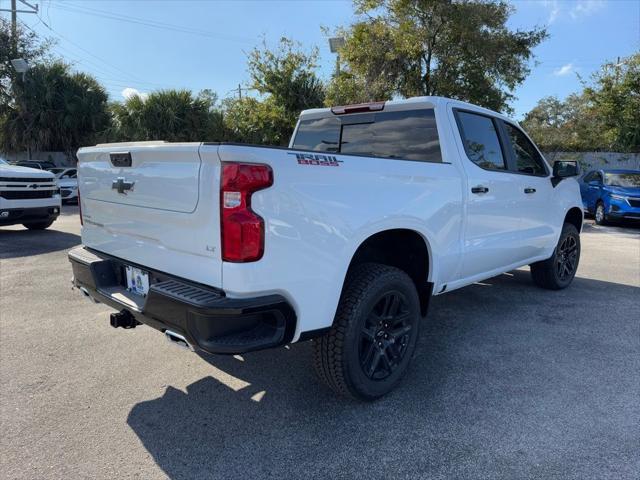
x=154 y=204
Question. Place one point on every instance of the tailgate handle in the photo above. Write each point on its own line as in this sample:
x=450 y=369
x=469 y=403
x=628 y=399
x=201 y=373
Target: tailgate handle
x=122 y=159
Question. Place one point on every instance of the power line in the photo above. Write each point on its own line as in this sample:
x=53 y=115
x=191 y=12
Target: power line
x=90 y=54
x=122 y=81
x=149 y=23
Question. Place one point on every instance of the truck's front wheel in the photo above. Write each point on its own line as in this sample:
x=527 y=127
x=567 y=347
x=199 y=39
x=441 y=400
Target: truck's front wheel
x=558 y=271
x=374 y=334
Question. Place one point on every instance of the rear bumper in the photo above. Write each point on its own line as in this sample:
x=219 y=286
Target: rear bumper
x=14 y=216
x=204 y=316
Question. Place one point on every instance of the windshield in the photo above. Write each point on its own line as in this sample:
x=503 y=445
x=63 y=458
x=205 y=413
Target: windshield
x=623 y=179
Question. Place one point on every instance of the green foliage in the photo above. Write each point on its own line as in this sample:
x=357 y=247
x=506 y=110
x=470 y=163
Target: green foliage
x=171 y=115
x=29 y=48
x=604 y=116
x=461 y=49
x=249 y=120
x=287 y=75
x=286 y=80
x=615 y=95
x=55 y=109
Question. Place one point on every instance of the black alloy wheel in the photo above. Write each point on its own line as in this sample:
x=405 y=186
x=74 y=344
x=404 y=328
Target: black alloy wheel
x=567 y=258
x=385 y=336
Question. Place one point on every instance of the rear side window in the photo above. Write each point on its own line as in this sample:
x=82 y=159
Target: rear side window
x=321 y=135
x=481 y=143
x=407 y=135
x=526 y=157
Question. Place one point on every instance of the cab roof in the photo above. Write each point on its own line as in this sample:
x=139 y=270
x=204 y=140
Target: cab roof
x=399 y=105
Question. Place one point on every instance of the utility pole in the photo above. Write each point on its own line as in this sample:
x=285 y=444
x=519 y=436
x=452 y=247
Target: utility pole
x=239 y=92
x=14 y=21
x=14 y=29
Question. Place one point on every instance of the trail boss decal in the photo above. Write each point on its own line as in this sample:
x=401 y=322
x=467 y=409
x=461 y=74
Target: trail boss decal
x=317 y=159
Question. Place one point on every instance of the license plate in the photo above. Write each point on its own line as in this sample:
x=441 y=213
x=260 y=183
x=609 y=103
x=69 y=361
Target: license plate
x=137 y=281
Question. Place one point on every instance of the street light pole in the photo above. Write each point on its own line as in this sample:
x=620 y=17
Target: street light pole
x=335 y=44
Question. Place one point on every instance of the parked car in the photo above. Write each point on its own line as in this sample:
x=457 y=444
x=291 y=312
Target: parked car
x=39 y=164
x=68 y=183
x=341 y=238
x=27 y=196
x=611 y=195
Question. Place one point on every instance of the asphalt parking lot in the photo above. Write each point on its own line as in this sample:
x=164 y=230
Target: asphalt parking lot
x=509 y=381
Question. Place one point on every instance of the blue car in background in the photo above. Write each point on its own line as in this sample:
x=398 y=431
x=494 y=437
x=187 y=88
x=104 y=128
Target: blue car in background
x=611 y=194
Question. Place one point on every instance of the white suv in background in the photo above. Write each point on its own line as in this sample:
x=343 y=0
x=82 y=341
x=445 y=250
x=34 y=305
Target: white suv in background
x=68 y=183
x=28 y=196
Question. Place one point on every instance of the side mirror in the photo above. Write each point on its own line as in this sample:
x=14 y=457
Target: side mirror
x=565 y=169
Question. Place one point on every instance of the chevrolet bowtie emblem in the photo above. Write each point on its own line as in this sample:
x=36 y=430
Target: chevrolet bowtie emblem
x=121 y=185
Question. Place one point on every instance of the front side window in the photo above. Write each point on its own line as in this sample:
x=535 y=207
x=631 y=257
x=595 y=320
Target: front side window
x=405 y=135
x=527 y=158
x=480 y=138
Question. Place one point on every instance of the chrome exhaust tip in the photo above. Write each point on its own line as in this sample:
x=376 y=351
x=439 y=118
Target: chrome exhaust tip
x=178 y=340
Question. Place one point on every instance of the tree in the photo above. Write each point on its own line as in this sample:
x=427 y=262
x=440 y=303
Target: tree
x=286 y=80
x=615 y=96
x=288 y=75
x=569 y=125
x=604 y=116
x=29 y=47
x=249 y=120
x=461 y=49
x=171 y=115
x=55 y=109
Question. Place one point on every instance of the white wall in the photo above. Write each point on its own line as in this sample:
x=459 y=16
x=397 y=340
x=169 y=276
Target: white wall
x=59 y=158
x=595 y=160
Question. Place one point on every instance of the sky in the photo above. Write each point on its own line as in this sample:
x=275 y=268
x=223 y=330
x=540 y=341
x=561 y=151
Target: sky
x=143 y=45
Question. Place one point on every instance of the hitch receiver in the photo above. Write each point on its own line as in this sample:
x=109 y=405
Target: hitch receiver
x=123 y=319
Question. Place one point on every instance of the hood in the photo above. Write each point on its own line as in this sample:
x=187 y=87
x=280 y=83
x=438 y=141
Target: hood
x=626 y=191
x=23 y=172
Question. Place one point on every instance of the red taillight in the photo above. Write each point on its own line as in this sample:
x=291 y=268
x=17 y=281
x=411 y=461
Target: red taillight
x=242 y=230
x=80 y=206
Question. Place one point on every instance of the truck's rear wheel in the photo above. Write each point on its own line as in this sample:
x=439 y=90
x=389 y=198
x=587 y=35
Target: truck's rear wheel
x=558 y=271
x=369 y=347
x=38 y=225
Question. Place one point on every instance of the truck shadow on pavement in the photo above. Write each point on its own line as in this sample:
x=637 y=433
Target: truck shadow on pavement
x=24 y=243
x=508 y=381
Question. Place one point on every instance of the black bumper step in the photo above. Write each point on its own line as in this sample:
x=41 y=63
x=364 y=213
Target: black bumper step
x=205 y=316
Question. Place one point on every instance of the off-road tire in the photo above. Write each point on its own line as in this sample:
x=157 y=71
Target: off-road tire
x=546 y=274
x=338 y=354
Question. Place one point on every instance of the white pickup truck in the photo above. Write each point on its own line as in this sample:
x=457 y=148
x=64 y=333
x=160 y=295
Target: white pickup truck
x=28 y=196
x=341 y=238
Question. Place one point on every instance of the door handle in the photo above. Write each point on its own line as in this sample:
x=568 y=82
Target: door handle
x=529 y=190
x=479 y=190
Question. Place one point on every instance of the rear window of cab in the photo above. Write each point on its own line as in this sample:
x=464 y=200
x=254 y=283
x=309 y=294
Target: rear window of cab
x=405 y=135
